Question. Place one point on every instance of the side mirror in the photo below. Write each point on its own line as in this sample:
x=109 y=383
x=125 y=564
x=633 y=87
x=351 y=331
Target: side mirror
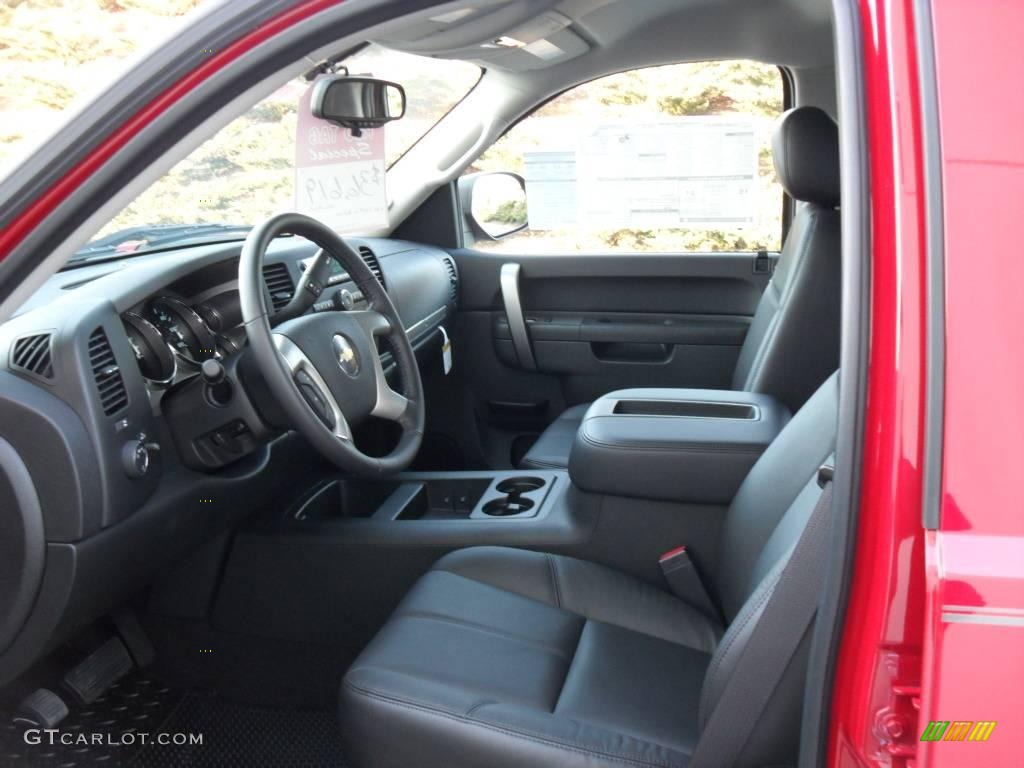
x=357 y=103
x=493 y=204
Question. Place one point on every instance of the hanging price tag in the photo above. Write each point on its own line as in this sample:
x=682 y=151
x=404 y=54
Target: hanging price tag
x=446 y=351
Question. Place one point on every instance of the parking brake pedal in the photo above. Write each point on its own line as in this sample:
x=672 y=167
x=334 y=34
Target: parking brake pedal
x=100 y=670
x=41 y=709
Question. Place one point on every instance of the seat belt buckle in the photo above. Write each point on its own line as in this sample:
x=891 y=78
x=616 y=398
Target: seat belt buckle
x=826 y=473
x=684 y=581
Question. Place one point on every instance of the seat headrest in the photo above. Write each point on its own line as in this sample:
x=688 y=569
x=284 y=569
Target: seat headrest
x=806 y=153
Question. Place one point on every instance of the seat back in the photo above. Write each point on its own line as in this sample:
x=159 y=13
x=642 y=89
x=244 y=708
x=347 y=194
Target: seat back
x=793 y=342
x=762 y=527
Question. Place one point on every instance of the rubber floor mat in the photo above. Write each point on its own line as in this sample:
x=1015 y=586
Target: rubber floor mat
x=140 y=723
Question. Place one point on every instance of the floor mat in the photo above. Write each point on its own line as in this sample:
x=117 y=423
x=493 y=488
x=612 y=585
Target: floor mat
x=140 y=723
x=240 y=736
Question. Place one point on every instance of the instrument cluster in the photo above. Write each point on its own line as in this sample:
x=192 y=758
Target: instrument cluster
x=169 y=336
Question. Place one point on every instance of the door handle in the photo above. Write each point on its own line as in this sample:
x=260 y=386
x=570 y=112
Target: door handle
x=631 y=351
x=514 y=313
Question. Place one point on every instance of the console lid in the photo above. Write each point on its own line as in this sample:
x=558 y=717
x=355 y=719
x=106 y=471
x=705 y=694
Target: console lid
x=692 y=445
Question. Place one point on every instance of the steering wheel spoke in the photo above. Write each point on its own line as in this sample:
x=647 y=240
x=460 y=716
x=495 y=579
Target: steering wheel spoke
x=390 y=404
x=312 y=387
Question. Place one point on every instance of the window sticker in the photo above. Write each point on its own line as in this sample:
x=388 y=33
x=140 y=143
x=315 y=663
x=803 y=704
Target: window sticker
x=339 y=178
x=683 y=172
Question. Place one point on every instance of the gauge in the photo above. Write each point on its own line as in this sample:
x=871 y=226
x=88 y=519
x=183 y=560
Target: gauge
x=231 y=342
x=221 y=312
x=212 y=317
x=184 y=330
x=156 y=362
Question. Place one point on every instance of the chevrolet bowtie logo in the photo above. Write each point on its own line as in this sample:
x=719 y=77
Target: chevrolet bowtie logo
x=345 y=353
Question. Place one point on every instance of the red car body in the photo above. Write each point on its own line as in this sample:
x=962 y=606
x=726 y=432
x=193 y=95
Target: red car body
x=935 y=621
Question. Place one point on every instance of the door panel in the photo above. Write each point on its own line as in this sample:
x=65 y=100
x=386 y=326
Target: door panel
x=596 y=323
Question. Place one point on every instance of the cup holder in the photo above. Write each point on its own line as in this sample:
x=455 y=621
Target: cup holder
x=517 y=496
x=519 y=485
x=509 y=505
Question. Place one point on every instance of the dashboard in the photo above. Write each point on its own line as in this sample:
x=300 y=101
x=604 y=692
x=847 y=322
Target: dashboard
x=113 y=459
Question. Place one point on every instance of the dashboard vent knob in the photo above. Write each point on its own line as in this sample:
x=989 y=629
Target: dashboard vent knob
x=279 y=284
x=33 y=355
x=107 y=374
x=372 y=262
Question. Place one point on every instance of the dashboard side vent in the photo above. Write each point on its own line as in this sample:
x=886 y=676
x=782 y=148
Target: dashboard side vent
x=453 y=279
x=113 y=394
x=371 y=261
x=279 y=284
x=32 y=354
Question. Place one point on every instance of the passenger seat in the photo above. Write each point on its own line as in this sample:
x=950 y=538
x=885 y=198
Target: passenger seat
x=504 y=657
x=793 y=342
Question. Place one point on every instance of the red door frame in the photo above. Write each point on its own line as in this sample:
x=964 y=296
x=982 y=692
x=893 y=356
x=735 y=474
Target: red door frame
x=909 y=655
x=878 y=673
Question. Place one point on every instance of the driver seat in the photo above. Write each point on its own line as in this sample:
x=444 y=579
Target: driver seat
x=505 y=658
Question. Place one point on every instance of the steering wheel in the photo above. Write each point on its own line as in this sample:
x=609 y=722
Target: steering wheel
x=324 y=368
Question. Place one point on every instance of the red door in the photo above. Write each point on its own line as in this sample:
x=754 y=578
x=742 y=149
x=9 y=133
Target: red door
x=935 y=628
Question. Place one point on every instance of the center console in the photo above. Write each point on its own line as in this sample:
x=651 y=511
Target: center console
x=450 y=496
x=690 y=445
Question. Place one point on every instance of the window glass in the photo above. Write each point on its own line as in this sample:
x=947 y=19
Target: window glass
x=56 y=54
x=432 y=88
x=247 y=171
x=674 y=158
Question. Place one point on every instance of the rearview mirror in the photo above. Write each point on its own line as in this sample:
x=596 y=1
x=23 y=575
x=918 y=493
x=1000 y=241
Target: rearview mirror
x=357 y=102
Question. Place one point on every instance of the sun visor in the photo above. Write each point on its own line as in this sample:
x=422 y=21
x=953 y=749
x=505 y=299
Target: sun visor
x=513 y=52
x=450 y=29
x=515 y=36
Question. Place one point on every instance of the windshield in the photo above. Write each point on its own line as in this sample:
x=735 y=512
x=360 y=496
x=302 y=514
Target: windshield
x=249 y=170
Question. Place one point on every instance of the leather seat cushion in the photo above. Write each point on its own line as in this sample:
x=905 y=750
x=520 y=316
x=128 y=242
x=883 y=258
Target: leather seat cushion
x=505 y=657
x=551 y=451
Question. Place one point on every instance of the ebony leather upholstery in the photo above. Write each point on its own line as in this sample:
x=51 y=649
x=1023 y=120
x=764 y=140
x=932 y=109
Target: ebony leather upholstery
x=700 y=460
x=793 y=342
x=551 y=451
x=805 y=152
x=501 y=657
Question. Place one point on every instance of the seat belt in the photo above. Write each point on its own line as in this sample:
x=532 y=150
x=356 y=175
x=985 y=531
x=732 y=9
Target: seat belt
x=684 y=581
x=772 y=644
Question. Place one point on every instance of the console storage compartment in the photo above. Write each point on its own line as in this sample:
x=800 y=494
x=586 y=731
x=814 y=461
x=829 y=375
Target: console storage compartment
x=693 y=445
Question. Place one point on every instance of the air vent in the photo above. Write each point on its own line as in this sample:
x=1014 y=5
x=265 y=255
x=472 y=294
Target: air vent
x=279 y=284
x=31 y=354
x=371 y=261
x=453 y=278
x=113 y=395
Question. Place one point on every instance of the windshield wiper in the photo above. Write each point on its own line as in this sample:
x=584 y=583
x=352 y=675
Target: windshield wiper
x=137 y=240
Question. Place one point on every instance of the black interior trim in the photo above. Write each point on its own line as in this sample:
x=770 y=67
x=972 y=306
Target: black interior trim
x=855 y=334
x=788 y=102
